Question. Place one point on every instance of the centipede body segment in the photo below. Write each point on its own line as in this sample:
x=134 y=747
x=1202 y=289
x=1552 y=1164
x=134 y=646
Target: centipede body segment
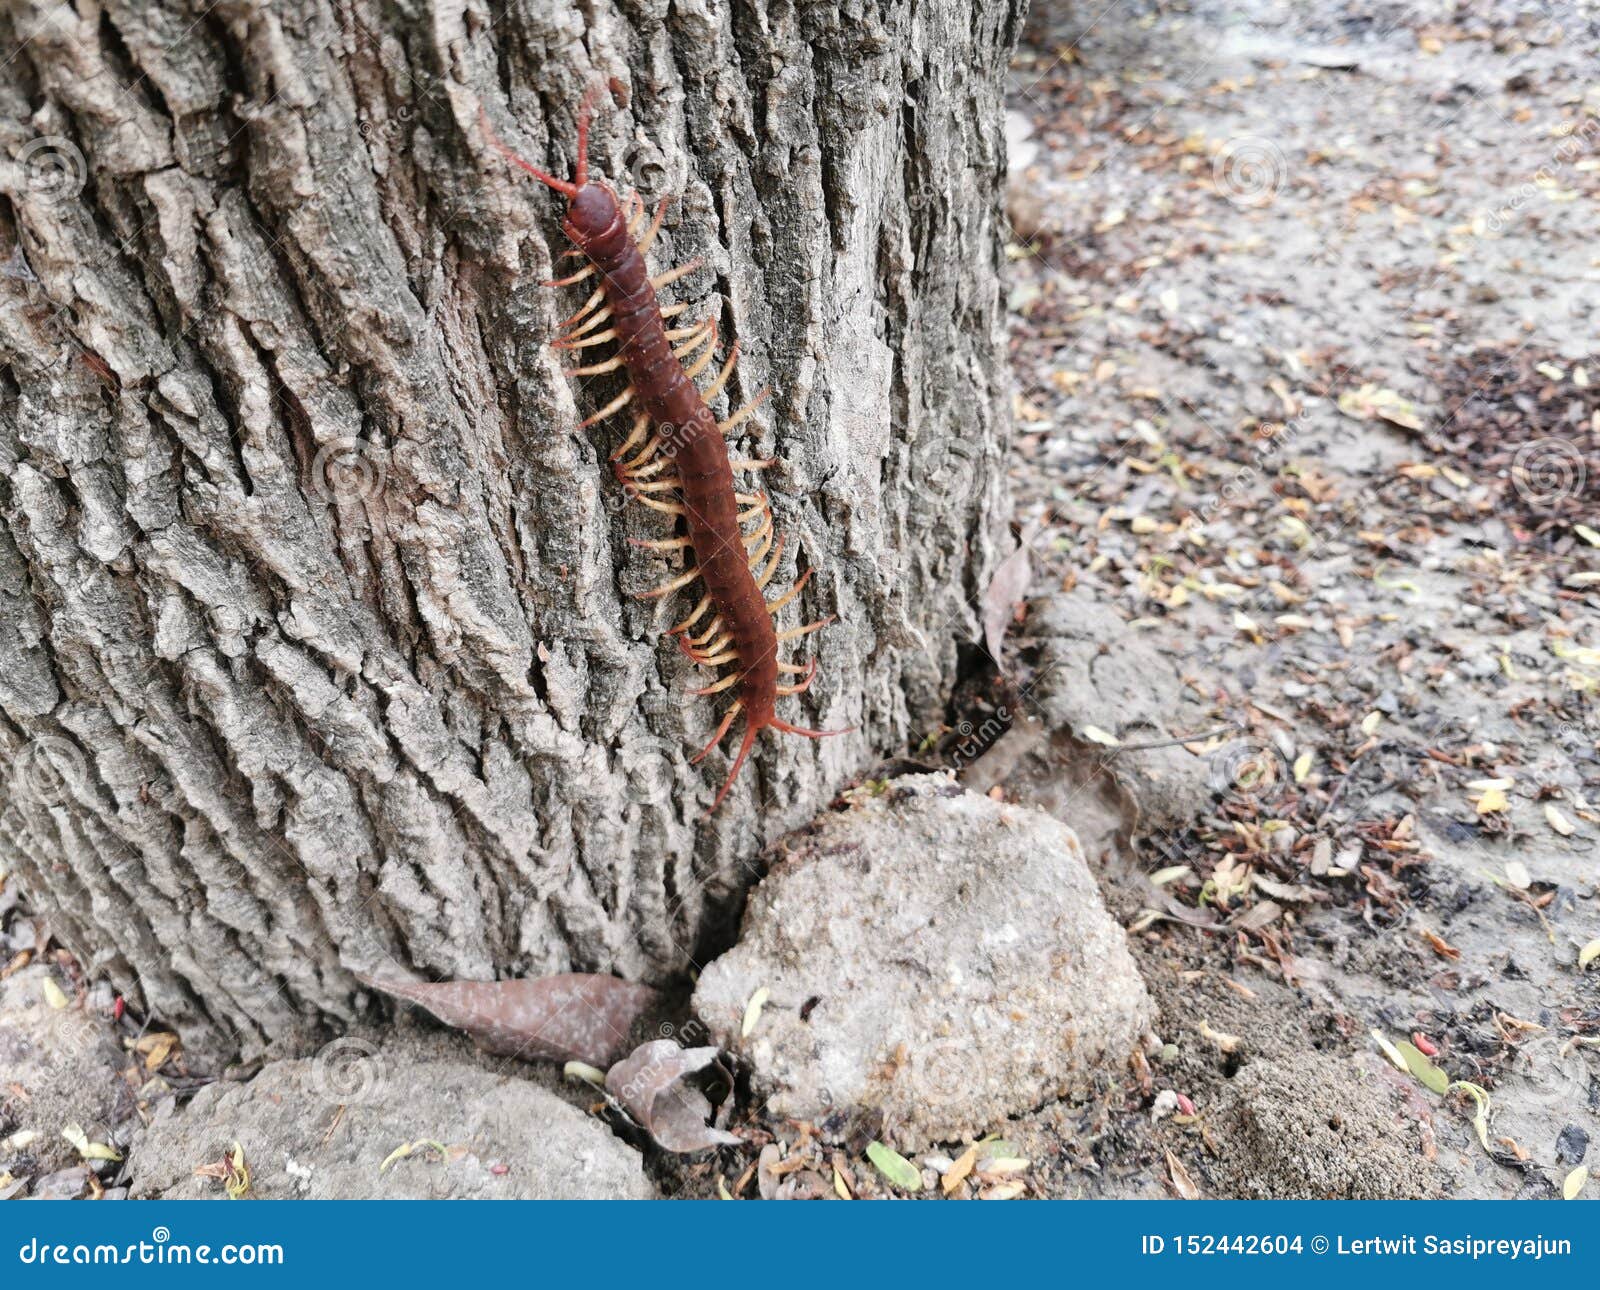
x=674 y=458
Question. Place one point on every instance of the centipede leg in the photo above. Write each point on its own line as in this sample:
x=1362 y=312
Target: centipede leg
x=588 y=271
x=648 y=240
x=594 y=300
x=616 y=405
x=594 y=369
x=739 y=417
x=695 y=615
x=636 y=432
x=772 y=567
x=773 y=606
x=667 y=588
x=578 y=341
x=761 y=463
x=715 y=388
x=794 y=633
x=738 y=765
x=800 y=687
x=787 y=729
x=717 y=687
x=722 y=730
x=660 y=544
x=672 y=275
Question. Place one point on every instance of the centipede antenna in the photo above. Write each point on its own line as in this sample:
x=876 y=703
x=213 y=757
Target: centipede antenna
x=562 y=186
x=585 y=112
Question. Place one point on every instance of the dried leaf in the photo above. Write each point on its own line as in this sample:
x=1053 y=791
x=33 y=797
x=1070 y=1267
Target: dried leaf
x=237 y=1181
x=1302 y=767
x=1557 y=821
x=1389 y=1050
x=572 y=1016
x=1588 y=954
x=53 y=994
x=1480 y=1120
x=957 y=1173
x=1004 y=1191
x=752 y=1011
x=650 y=1084
x=1517 y=875
x=1574 y=1183
x=840 y=1189
x=1095 y=735
x=1492 y=800
x=1006 y=588
x=895 y=1167
x=1182 y=1185
x=88 y=1150
x=1225 y=1042
x=157 y=1048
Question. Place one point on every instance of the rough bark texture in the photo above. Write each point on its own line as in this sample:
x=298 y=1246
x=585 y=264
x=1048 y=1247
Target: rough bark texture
x=317 y=647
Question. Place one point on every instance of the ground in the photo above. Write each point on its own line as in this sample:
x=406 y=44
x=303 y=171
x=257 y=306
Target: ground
x=1305 y=322
x=1305 y=325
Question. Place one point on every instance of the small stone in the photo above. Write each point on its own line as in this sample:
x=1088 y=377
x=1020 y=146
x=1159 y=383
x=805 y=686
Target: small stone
x=970 y=968
x=1572 y=1144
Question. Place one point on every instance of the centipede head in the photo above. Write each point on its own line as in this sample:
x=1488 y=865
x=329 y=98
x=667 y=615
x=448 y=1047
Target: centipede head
x=590 y=206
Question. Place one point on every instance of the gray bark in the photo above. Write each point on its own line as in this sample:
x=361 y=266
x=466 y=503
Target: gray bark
x=318 y=651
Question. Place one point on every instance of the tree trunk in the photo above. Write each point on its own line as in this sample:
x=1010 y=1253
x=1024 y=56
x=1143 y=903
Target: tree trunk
x=318 y=645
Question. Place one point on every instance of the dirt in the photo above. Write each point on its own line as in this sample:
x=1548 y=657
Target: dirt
x=1307 y=395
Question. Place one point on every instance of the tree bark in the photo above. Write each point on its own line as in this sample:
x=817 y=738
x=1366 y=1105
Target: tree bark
x=318 y=645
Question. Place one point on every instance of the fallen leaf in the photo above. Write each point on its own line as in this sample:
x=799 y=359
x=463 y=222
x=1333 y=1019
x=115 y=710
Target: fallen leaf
x=1095 y=735
x=895 y=1167
x=957 y=1173
x=1588 y=954
x=1575 y=1183
x=53 y=994
x=1389 y=1050
x=1517 y=875
x=650 y=1084
x=1302 y=767
x=752 y=1011
x=1006 y=588
x=1557 y=821
x=1492 y=800
x=569 y=1017
x=1480 y=1119
x=88 y=1150
x=1225 y=1042
x=1182 y=1185
x=1429 y=1074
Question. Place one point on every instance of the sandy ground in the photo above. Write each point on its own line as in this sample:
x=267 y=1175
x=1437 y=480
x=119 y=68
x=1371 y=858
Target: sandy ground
x=1306 y=309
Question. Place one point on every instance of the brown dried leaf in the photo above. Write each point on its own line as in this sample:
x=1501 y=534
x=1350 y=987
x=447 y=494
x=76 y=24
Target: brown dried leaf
x=1182 y=1185
x=570 y=1017
x=1008 y=586
x=650 y=1085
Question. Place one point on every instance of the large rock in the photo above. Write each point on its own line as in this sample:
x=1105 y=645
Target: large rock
x=504 y=1137
x=58 y=1066
x=934 y=960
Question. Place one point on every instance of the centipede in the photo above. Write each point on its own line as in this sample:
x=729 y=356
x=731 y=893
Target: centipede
x=675 y=459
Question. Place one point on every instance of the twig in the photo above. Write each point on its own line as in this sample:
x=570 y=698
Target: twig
x=1179 y=739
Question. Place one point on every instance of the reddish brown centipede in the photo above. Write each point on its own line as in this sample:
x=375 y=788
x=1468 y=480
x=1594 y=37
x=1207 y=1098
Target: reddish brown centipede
x=674 y=425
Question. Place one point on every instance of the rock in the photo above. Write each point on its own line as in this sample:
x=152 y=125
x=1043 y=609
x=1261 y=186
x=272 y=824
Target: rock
x=936 y=961
x=60 y=1066
x=1093 y=674
x=504 y=1137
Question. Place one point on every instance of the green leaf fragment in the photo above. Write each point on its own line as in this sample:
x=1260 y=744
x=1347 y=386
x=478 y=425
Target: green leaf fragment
x=895 y=1167
x=1422 y=1068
